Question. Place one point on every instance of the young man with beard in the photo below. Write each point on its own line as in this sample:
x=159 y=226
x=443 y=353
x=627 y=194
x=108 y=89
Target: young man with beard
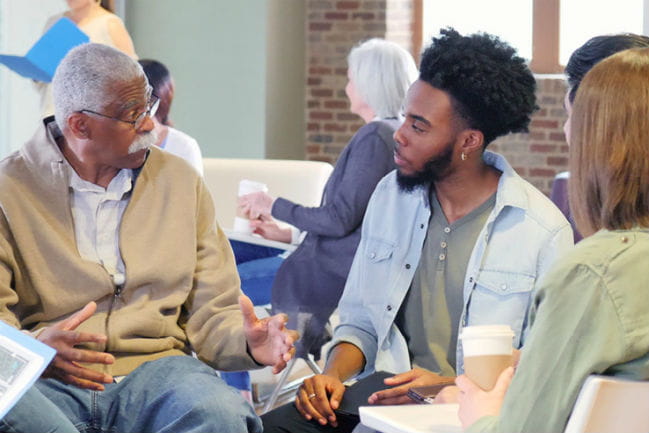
x=453 y=237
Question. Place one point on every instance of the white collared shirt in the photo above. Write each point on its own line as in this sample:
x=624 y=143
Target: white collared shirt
x=97 y=213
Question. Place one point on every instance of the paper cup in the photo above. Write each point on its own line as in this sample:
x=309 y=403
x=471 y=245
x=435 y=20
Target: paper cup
x=487 y=352
x=241 y=223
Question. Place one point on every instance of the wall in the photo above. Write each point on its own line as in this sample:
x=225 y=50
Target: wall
x=285 y=49
x=334 y=26
x=216 y=51
x=21 y=24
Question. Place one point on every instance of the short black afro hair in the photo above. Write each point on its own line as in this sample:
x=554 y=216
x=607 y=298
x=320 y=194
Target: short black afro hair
x=492 y=88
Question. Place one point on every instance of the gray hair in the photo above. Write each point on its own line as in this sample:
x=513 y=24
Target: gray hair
x=86 y=77
x=382 y=72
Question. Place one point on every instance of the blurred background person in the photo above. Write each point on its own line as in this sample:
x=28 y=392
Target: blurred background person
x=96 y=19
x=169 y=138
x=590 y=314
x=309 y=282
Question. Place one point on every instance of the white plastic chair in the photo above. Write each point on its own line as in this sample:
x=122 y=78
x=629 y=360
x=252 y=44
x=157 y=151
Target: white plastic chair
x=611 y=405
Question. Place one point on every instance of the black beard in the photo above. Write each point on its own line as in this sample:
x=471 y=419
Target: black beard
x=434 y=170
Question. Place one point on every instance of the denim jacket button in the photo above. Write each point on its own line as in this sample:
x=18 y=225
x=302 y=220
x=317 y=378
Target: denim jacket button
x=389 y=308
x=503 y=287
x=372 y=255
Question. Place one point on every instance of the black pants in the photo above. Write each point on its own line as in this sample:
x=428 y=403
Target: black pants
x=286 y=419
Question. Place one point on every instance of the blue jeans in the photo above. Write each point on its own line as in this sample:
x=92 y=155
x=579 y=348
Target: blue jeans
x=172 y=394
x=36 y=413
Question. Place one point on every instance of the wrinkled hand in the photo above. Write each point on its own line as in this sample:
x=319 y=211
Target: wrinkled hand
x=318 y=397
x=403 y=382
x=476 y=403
x=268 y=229
x=269 y=341
x=66 y=365
x=255 y=204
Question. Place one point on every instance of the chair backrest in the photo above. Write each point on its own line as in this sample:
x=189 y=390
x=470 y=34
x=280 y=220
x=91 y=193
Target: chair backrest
x=611 y=405
x=298 y=181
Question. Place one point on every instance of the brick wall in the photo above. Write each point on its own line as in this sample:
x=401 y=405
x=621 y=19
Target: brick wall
x=335 y=26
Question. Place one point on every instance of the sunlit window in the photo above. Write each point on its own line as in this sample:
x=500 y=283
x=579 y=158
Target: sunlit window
x=583 y=19
x=511 y=20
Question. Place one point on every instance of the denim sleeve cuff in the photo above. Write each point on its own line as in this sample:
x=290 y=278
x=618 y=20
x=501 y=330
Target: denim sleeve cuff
x=365 y=342
x=484 y=424
x=281 y=208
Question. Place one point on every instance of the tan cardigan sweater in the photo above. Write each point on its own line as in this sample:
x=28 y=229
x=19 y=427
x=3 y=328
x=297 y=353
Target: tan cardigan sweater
x=181 y=283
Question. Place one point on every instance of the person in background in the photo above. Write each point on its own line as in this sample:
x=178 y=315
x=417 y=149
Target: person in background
x=309 y=282
x=169 y=138
x=111 y=254
x=453 y=237
x=580 y=62
x=96 y=19
x=590 y=313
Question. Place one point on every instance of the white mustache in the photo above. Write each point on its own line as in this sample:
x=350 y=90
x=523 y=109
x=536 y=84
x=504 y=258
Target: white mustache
x=143 y=142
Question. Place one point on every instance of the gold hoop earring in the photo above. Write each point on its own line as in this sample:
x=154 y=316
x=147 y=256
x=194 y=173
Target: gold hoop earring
x=463 y=156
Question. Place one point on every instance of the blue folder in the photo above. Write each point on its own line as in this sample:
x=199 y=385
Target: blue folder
x=41 y=60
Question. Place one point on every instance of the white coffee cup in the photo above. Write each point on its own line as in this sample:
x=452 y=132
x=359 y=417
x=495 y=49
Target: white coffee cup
x=241 y=223
x=487 y=352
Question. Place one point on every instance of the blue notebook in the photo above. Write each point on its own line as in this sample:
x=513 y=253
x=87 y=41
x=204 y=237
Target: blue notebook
x=41 y=60
x=22 y=361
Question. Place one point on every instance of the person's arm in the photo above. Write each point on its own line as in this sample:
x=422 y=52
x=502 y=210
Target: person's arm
x=369 y=159
x=576 y=332
x=120 y=37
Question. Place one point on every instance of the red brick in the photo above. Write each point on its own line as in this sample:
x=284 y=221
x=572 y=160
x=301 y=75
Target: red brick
x=313 y=127
x=543 y=148
x=313 y=103
x=336 y=15
x=347 y=5
x=558 y=136
x=313 y=148
x=346 y=116
x=335 y=127
x=320 y=70
x=322 y=93
x=313 y=81
x=335 y=104
x=539 y=123
x=561 y=161
x=320 y=115
x=320 y=27
x=542 y=172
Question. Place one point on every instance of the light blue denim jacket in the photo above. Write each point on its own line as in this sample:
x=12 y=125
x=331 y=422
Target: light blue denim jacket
x=523 y=235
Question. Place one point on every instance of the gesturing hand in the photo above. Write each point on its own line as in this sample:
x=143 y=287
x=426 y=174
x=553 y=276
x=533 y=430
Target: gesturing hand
x=403 y=382
x=255 y=204
x=66 y=364
x=269 y=341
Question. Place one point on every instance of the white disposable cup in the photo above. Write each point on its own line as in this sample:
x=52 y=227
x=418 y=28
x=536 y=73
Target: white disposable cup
x=487 y=352
x=241 y=224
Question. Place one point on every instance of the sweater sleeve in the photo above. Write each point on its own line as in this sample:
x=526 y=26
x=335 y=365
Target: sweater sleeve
x=369 y=159
x=576 y=333
x=214 y=322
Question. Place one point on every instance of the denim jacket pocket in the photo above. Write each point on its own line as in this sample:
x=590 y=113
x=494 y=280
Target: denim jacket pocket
x=503 y=298
x=377 y=270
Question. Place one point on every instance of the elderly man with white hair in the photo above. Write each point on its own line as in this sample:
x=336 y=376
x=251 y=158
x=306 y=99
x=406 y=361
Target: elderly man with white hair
x=110 y=253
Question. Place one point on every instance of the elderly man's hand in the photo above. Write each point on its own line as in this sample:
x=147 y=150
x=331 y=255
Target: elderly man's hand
x=255 y=205
x=269 y=341
x=66 y=364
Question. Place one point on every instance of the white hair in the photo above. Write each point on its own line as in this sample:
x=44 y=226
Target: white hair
x=86 y=77
x=382 y=72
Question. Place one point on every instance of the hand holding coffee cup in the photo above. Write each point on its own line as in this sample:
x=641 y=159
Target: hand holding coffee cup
x=248 y=204
x=487 y=352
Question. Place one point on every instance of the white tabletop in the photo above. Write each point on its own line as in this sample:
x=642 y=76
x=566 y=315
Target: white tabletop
x=257 y=240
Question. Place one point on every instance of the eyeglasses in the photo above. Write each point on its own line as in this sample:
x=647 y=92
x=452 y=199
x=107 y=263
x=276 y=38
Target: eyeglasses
x=152 y=107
